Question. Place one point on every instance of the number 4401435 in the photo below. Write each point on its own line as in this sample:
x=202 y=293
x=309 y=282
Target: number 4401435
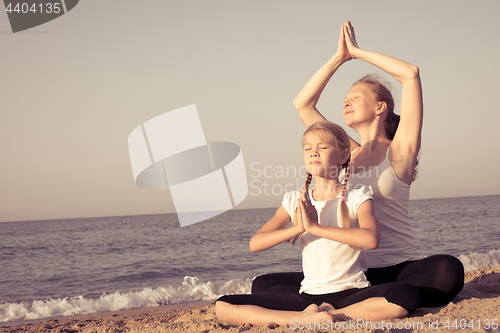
x=25 y=8
x=463 y=323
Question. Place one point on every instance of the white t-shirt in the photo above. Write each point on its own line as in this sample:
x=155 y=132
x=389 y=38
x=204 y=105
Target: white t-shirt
x=330 y=266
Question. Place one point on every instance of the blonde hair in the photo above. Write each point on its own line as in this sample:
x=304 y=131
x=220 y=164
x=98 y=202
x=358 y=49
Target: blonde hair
x=338 y=138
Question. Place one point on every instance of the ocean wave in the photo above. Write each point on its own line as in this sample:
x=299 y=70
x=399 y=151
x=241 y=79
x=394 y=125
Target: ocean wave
x=189 y=291
x=474 y=260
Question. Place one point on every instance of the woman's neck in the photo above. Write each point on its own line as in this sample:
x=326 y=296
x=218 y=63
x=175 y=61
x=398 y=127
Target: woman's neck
x=326 y=189
x=372 y=136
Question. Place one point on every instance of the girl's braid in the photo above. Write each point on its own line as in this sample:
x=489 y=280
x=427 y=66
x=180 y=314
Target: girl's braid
x=344 y=210
x=308 y=181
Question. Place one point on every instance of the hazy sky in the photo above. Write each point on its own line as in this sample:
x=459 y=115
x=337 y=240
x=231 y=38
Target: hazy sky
x=74 y=88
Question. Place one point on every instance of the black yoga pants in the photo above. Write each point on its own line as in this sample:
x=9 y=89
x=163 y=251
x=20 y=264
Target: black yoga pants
x=438 y=279
x=402 y=294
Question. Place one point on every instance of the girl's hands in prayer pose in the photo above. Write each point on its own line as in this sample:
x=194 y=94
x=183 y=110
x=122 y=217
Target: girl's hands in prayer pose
x=308 y=215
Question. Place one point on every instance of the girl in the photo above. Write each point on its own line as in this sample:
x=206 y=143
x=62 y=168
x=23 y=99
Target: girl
x=386 y=160
x=333 y=224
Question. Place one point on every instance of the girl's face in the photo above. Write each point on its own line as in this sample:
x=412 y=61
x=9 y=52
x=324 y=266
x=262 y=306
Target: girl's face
x=321 y=158
x=360 y=105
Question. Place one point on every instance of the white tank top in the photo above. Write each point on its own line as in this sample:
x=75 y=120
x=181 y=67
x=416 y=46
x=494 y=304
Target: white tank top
x=391 y=195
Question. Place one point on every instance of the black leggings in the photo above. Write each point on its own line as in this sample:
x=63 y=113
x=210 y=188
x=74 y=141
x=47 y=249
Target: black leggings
x=402 y=294
x=438 y=279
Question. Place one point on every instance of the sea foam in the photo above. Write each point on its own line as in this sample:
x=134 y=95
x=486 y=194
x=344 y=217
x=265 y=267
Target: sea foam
x=190 y=290
x=474 y=260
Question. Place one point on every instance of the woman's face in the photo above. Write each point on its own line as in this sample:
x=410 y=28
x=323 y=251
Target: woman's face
x=360 y=105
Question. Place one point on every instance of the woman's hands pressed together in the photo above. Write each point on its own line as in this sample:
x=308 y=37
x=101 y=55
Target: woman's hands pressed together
x=350 y=39
x=348 y=47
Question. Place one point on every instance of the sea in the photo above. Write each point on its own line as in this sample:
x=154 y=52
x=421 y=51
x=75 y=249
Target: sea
x=55 y=268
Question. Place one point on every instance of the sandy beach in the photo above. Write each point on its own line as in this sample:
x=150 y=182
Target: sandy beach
x=476 y=308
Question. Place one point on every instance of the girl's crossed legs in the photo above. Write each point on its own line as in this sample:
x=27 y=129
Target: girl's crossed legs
x=392 y=300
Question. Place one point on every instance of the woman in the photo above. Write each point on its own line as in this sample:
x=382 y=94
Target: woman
x=386 y=160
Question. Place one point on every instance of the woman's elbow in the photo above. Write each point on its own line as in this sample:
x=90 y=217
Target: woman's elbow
x=414 y=72
x=298 y=104
x=301 y=104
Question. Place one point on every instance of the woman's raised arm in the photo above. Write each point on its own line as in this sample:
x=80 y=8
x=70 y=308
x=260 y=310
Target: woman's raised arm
x=308 y=97
x=406 y=143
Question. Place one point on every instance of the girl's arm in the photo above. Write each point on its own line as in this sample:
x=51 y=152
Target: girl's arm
x=308 y=97
x=366 y=236
x=274 y=232
x=406 y=143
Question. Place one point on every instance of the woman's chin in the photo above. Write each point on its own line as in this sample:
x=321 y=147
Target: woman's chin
x=350 y=124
